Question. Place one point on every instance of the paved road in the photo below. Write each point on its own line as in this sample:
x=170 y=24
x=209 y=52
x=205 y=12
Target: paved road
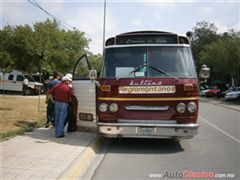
x=216 y=149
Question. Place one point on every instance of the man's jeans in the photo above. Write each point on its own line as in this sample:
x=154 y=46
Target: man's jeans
x=61 y=110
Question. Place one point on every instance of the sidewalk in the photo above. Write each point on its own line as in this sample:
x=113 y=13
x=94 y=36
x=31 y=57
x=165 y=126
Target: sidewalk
x=39 y=155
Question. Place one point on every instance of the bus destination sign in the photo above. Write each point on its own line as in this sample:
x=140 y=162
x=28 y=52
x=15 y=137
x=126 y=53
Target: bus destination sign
x=147 y=39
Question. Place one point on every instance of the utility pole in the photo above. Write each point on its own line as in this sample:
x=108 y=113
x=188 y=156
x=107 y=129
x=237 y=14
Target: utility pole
x=104 y=23
x=39 y=70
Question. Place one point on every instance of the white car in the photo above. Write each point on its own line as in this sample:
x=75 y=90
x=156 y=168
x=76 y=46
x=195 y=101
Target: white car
x=235 y=94
x=14 y=82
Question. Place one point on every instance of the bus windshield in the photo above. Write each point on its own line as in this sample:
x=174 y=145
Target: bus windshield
x=149 y=61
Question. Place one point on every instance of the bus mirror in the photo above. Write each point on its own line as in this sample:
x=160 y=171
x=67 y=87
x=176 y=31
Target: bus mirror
x=92 y=74
x=205 y=72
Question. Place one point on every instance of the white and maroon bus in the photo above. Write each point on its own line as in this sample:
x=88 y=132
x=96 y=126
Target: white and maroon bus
x=148 y=88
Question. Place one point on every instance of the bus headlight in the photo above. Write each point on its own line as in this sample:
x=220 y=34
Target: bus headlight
x=181 y=108
x=103 y=107
x=113 y=107
x=191 y=107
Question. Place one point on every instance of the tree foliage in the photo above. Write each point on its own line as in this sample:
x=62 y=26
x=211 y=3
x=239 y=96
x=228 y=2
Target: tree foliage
x=221 y=52
x=41 y=47
x=203 y=34
x=95 y=61
x=6 y=58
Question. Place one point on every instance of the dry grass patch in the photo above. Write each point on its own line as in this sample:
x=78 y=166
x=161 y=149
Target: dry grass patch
x=20 y=114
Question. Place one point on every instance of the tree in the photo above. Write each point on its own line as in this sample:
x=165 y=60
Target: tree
x=204 y=33
x=95 y=61
x=219 y=51
x=57 y=49
x=223 y=57
x=6 y=58
x=43 y=46
x=21 y=43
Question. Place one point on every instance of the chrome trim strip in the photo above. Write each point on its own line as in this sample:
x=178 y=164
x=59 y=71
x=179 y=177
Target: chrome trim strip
x=173 y=131
x=148 y=121
x=148 y=99
x=147 y=108
x=190 y=126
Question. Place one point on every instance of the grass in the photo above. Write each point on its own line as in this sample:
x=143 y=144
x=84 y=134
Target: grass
x=20 y=114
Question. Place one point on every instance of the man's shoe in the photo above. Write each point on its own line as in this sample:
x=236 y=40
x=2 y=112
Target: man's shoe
x=60 y=136
x=70 y=130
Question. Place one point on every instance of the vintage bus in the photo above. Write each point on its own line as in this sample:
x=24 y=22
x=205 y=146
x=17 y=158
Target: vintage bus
x=148 y=87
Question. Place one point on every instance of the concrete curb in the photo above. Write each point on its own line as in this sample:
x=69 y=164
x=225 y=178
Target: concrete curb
x=82 y=163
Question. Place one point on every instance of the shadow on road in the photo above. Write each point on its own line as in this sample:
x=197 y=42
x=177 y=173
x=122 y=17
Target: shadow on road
x=144 y=146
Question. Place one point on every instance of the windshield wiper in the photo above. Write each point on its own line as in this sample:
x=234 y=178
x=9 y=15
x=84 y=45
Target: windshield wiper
x=163 y=72
x=137 y=68
x=155 y=68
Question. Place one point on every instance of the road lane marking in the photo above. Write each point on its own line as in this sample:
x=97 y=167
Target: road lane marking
x=235 y=139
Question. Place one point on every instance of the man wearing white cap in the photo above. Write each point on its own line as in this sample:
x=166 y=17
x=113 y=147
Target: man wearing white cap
x=61 y=95
x=69 y=116
x=70 y=77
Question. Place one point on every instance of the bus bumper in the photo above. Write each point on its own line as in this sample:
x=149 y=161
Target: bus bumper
x=161 y=131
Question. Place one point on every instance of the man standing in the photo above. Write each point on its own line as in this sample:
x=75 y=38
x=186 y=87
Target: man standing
x=50 y=104
x=61 y=95
x=69 y=120
x=25 y=86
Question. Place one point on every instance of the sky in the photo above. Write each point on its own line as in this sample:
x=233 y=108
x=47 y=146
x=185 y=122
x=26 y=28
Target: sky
x=124 y=16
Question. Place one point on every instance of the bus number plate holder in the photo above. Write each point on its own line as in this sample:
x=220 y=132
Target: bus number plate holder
x=147 y=131
x=85 y=116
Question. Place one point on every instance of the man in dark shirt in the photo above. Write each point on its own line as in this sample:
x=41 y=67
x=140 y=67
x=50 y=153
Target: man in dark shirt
x=61 y=96
x=50 y=104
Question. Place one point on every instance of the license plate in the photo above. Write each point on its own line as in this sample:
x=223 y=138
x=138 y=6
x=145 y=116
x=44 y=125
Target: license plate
x=85 y=116
x=145 y=131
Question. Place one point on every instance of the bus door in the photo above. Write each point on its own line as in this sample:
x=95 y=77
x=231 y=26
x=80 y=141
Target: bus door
x=85 y=93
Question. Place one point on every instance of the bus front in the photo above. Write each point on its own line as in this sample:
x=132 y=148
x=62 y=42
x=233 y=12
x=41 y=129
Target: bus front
x=148 y=88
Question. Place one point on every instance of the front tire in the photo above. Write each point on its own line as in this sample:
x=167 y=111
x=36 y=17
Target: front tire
x=27 y=92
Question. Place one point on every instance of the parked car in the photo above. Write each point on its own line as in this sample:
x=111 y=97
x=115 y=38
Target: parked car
x=203 y=92
x=211 y=92
x=234 y=94
x=221 y=94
